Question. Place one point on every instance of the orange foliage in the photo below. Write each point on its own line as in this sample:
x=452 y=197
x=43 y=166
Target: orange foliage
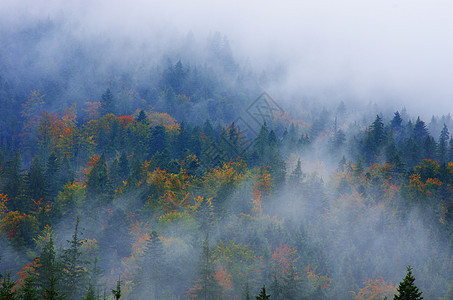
x=25 y=272
x=282 y=259
x=173 y=188
x=317 y=280
x=125 y=120
x=375 y=289
x=3 y=204
x=256 y=209
x=263 y=182
x=14 y=222
x=224 y=279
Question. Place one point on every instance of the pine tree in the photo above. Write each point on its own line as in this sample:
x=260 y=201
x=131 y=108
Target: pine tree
x=117 y=293
x=97 y=180
x=6 y=289
x=36 y=187
x=153 y=267
x=48 y=278
x=247 y=291
x=51 y=174
x=29 y=291
x=262 y=295
x=107 y=103
x=74 y=272
x=296 y=175
x=90 y=292
x=442 y=146
x=209 y=287
x=407 y=289
x=141 y=118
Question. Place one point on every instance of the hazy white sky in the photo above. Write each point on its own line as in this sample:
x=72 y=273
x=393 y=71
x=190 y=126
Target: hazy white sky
x=400 y=47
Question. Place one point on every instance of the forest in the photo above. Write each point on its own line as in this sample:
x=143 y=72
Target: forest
x=181 y=177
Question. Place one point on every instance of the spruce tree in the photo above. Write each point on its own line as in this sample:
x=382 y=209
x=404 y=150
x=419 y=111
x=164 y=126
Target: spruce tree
x=107 y=103
x=28 y=290
x=7 y=291
x=117 y=293
x=263 y=295
x=407 y=289
x=75 y=273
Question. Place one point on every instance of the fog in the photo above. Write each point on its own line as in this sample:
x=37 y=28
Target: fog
x=376 y=57
x=382 y=51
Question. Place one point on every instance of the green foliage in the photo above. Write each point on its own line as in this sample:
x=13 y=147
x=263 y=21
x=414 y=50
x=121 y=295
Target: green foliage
x=262 y=295
x=407 y=290
x=6 y=289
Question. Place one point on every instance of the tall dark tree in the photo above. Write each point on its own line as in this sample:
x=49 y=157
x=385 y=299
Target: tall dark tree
x=407 y=289
x=75 y=276
x=153 y=267
x=442 y=145
x=142 y=117
x=420 y=130
x=98 y=183
x=107 y=103
x=209 y=287
x=262 y=295
x=36 y=187
x=52 y=175
x=29 y=290
x=117 y=293
x=7 y=291
x=49 y=272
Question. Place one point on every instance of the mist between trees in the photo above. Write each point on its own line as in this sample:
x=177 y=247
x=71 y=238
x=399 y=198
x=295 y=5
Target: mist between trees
x=148 y=179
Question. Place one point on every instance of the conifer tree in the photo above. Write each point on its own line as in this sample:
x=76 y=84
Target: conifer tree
x=29 y=291
x=107 y=103
x=117 y=293
x=209 y=287
x=262 y=295
x=442 y=145
x=407 y=289
x=74 y=271
x=7 y=291
x=48 y=272
x=98 y=181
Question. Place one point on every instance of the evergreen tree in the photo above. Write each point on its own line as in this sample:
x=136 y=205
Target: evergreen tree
x=450 y=150
x=29 y=290
x=117 y=293
x=35 y=182
x=296 y=176
x=262 y=295
x=12 y=181
x=107 y=103
x=90 y=293
x=247 y=291
x=209 y=287
x=420 y=130
x=74 y=271
x=141 y=117
x=97 y=180
x=52 y=175
x=407 y=289
x=7 y=291
x=153 y=267
x=48 y=272
x=442 y=146
x=158 y=141
x=396 y=123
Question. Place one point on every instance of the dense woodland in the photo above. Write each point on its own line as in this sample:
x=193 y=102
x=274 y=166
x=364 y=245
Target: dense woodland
x=133 y=179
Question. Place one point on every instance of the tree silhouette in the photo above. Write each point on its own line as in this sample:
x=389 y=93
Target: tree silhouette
x=407 y=289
